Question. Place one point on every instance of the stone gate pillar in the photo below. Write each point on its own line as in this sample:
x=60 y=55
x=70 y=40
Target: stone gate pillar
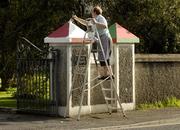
x=124 y=64
x=68 y=40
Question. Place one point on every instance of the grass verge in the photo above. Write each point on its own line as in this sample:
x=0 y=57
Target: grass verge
x=169 y=102
x=6 y=100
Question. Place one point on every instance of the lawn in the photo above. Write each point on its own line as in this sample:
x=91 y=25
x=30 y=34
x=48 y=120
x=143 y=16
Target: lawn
x=6 y=100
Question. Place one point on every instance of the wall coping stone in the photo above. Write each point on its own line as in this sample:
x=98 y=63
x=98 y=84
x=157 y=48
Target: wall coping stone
x=157 y=57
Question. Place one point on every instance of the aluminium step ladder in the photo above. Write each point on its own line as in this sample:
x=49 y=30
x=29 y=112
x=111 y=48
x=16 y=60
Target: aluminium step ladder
x=110 y=95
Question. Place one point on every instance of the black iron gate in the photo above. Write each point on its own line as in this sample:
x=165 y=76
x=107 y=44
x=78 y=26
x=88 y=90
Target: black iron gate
x=36 y=88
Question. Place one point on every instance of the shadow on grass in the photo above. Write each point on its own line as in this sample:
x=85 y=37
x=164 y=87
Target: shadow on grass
x=8 y=102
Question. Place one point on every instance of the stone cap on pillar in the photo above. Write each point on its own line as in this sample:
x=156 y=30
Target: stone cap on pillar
x=69 y=33
x=122 y=35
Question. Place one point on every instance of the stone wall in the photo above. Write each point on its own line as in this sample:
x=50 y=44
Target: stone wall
x=156 y=77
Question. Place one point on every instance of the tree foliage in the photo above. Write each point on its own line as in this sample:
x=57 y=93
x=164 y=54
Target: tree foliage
x=33 y=20
x=156 y=22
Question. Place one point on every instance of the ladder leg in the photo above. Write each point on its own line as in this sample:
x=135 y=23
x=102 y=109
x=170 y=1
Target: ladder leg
x=74 y=79
x=112 y=95
x=111 y=74
x=84 y=83
x=120 y=104
x=94 y=56
x=80 y=105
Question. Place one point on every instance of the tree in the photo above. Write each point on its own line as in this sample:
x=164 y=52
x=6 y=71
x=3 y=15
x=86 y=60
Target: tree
x=157 y=23
x=31 y=19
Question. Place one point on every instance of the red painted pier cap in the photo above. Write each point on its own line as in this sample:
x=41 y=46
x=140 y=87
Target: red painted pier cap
x=69 y=33
x=122 y=35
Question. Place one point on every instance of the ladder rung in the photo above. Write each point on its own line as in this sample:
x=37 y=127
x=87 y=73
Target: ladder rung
x=79 y=73
x=113 y=107
x=107 y=89
x=110 y=99
x=98 y=83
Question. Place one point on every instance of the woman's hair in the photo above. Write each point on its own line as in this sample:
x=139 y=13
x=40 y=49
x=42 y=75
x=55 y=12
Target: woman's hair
x=97 y=10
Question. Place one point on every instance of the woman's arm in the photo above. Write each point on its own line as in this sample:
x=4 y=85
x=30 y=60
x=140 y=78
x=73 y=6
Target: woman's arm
x=100 y=25
x=85 y=23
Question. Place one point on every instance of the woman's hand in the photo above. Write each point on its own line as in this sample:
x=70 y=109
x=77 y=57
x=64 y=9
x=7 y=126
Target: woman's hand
x=74 y=17
x=94 y=20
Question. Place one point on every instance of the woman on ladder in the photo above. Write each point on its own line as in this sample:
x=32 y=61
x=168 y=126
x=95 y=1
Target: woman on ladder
x=106 y=40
